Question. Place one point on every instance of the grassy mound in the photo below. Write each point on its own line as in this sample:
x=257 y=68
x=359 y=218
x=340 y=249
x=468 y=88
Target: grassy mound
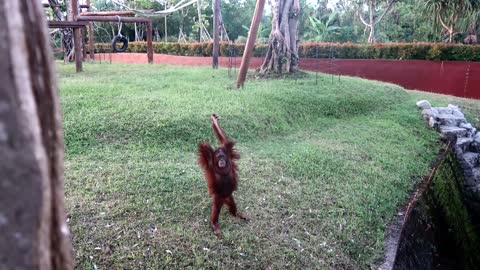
x=324 y=167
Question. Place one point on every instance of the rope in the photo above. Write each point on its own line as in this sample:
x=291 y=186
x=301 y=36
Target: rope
x=119 y=26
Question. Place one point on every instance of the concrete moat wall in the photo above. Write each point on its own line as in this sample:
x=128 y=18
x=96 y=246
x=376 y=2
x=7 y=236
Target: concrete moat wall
x=438 y=230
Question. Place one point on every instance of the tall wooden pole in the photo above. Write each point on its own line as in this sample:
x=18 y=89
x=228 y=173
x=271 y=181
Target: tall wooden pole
x=252 y=36
x=149 y=42
x=76 y=37
x=166 y=35
x=91 y=46
x=216 y=28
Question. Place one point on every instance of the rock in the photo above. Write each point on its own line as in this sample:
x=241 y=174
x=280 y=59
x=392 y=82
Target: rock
x=455 y=110
x=477 y=137
x=442 y=110
x=432 y=123
x=458 y=113
x=450 y=120
x=466 y=126
x=471 y=158
x=448 y=131
x=424 y=104
x=471 y=133
x=426 y=114
x=475 y=147
x=476 y=174
x=464 y=143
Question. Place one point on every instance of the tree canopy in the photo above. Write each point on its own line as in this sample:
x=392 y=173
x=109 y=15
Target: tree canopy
x=320 y=20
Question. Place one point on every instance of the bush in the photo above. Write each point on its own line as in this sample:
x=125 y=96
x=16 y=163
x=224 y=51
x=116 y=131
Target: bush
x=398 y=51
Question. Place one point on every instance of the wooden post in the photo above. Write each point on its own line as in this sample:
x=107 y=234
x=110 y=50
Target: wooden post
x=34 y=232
x=216 y=28
x=252 y=36
x=91 y=46
x=83 y=32
x=166 y=36
x=76 y=37
x=149 y=42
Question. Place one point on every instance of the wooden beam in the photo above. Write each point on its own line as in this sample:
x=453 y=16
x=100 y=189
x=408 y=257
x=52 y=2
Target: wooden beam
x=112 y=19
x=66 y=24
x=252 y=36
x=108 y=13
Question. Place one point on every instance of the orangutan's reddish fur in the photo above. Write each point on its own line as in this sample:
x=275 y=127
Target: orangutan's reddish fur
x=220 y=172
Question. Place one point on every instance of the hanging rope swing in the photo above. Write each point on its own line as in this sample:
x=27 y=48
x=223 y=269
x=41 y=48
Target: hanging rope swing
x=119 y=38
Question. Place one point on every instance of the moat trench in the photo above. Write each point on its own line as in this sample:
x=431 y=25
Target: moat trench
x=436 y=230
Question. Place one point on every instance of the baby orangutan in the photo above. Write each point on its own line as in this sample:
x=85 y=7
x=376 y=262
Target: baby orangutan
x=220 y=172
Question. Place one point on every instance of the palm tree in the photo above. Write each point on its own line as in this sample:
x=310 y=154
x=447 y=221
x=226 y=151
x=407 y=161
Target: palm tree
x=449 y=12
x=321 y=31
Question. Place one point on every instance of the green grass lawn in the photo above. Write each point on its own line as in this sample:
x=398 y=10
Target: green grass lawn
x=323 y=169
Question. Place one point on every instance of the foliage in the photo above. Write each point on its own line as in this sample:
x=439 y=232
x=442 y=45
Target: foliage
x=408 y=20
x=322 y=30
x=450 y=13
x=398 y=51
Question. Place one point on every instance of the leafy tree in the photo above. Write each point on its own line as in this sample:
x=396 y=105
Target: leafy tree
x=322 y=30
x=282 y=54
x=449 y=12
x=372 y=6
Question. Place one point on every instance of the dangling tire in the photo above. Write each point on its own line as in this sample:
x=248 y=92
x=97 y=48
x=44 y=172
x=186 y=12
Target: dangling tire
x=119 y=38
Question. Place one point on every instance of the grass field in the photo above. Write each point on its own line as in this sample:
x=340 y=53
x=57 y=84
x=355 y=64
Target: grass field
x=323 y=169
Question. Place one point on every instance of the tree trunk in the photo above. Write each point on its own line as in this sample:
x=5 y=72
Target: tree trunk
x=34 y=233
x=282 y=54
x=371 y=9
x=372 y=21
x=203 y=34
x=67 y=33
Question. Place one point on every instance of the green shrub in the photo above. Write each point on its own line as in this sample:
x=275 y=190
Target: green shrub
x=399 y=51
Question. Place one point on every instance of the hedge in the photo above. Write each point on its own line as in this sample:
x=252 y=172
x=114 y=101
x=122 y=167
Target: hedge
x=399 y=51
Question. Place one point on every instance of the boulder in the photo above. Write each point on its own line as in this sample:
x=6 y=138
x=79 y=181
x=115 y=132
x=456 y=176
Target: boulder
x=467 y=126
x=442 y=110
x=449 y=131
x=450 y=120
x=475 y=146
x=424 y=104
x=427 y=113
x=476 y=138
x=464 y=143
x=458 y=113
x=471 y=158
x=432 y=123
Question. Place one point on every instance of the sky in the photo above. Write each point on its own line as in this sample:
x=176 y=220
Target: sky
x=331 y=3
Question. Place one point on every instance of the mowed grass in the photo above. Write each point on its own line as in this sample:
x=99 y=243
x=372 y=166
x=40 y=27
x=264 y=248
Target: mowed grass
x=323 y=169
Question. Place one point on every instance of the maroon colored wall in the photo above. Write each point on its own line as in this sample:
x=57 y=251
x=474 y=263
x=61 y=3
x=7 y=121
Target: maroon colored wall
x=461 y=79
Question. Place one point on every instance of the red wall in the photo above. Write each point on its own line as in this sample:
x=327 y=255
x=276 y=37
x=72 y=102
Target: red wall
x=461 y=79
